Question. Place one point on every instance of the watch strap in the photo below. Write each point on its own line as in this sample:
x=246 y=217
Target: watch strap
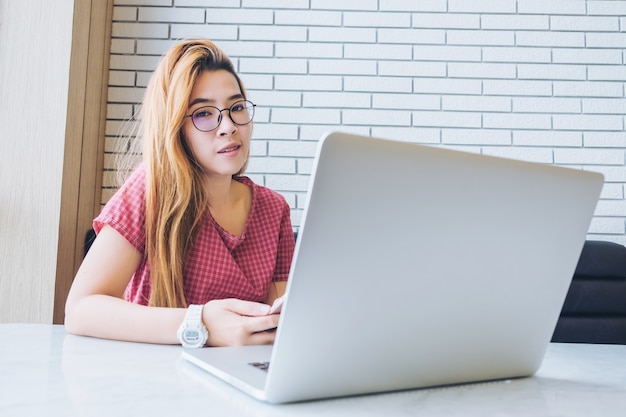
x=193 y=326
x=194 y=313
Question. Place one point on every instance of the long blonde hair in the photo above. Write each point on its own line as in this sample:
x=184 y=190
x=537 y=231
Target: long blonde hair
x=176 y=199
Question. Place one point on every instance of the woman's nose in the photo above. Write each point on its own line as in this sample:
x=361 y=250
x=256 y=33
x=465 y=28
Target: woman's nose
x=226 y=126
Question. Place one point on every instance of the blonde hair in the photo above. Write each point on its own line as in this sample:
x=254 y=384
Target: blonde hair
x=176 y=199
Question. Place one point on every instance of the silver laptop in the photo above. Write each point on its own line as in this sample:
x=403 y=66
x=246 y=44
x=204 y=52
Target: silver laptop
x=417 y=266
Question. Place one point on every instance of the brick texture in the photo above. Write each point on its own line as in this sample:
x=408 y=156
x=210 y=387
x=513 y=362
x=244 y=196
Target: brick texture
x=526 y=79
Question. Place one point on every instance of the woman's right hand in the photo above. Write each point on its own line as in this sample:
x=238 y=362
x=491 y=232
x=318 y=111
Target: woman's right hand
x=233 y=322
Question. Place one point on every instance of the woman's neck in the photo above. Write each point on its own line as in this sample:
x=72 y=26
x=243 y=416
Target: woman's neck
x=229 y=204
x=222 y=191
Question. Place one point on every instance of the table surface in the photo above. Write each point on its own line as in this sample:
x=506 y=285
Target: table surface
x=46 y=372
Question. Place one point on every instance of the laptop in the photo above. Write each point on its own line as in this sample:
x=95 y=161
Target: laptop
x=417 y=266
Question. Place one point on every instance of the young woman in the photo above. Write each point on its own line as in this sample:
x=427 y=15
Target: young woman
x=186 y=229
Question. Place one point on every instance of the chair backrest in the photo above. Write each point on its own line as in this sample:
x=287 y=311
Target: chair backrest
x=89 y=238
x=595 y=307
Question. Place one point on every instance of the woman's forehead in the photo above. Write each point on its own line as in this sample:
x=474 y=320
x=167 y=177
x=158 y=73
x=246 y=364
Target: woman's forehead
x=212 y=87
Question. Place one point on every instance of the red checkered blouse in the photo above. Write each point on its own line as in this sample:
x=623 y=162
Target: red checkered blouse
x=219 y=265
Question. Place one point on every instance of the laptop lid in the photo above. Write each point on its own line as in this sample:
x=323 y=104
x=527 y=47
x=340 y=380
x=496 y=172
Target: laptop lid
x=419 y=266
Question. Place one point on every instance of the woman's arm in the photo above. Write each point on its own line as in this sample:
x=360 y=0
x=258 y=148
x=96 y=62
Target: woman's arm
x=284 y=256
x=96 y=307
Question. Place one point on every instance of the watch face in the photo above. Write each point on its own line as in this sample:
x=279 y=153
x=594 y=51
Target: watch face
x=191 y=336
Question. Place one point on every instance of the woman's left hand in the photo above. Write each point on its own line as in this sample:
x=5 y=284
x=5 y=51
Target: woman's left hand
x=233 y=322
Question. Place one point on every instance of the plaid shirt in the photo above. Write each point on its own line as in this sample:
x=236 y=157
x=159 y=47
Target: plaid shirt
x=219 y=265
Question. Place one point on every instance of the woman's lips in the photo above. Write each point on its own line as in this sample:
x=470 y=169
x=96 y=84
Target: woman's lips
x=231 y=148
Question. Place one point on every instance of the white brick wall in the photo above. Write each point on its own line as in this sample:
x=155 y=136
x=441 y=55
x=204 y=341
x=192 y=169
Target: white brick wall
x=528 y=79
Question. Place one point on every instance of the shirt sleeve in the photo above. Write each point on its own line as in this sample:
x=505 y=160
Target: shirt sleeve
x=286 y=246
x=125 y=211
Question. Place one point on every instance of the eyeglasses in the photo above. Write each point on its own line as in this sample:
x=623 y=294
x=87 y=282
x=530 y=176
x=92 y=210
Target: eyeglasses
x=208 y=118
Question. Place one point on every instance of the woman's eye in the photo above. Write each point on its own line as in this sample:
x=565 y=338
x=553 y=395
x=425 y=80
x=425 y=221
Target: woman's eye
x=237 y=107
x=202 y=114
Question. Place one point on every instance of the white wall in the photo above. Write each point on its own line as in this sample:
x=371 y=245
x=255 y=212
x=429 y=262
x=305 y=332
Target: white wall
x=35 y=46
x=527 y=79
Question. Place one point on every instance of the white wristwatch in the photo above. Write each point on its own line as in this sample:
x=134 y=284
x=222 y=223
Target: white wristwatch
x=192 y=333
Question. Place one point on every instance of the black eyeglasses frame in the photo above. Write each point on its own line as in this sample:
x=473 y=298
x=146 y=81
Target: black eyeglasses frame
x=248 y=104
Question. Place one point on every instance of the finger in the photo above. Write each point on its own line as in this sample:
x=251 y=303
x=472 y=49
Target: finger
x=263 y=338
x=247 y=308
x=263 y=323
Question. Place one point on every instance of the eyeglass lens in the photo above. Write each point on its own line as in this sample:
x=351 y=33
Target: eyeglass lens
x=208 y=118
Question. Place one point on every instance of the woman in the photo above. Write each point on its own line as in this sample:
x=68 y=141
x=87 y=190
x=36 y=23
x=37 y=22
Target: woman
x=186 y=229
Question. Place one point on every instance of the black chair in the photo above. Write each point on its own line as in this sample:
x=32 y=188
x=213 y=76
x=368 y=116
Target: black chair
x=595 y=307
x=89 y=238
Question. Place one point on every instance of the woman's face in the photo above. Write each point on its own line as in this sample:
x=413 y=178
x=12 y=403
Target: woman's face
x=224 y=150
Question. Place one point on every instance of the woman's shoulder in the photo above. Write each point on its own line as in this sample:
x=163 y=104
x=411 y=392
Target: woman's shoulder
x=125 y=210
x=137 y=175
x=129 y=199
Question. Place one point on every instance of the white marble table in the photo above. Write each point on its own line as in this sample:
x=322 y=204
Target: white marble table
x=46 y=372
